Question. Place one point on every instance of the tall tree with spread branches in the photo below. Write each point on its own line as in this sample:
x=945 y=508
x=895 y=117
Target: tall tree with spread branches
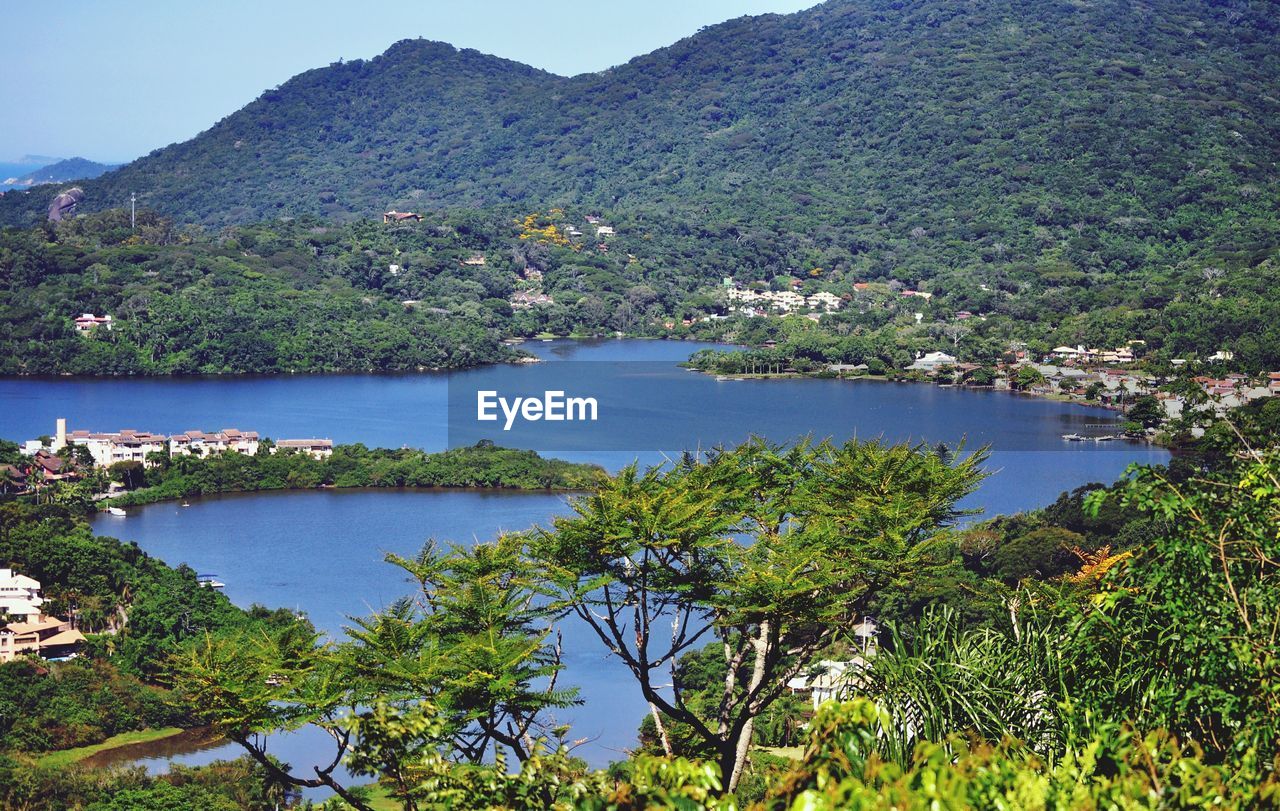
x=768 y=551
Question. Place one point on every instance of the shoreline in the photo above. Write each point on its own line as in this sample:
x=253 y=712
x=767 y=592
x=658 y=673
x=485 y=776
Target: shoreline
x=115 y=745
x=1051 y=397
x=349 y=490
x=518 y=360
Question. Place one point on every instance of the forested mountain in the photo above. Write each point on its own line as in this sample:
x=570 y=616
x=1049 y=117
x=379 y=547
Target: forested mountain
x=1074 y=173
x=61 y=172
x=1074 y=138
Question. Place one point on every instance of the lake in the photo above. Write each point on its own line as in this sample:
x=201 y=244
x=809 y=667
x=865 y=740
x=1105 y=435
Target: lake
x=321 y=552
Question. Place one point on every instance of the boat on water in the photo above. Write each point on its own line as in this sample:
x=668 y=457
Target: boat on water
x=1105 y=438
x=210 y=581
x=1074 y=437
x=184 y=504
x=116 y=511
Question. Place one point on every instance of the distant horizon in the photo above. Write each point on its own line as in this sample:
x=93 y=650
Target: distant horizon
x=89 y=103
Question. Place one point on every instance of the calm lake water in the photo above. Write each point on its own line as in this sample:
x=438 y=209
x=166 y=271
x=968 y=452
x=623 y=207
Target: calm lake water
x=321 y=552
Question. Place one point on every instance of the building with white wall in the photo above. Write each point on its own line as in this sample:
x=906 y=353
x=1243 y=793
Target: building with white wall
x=19 y=595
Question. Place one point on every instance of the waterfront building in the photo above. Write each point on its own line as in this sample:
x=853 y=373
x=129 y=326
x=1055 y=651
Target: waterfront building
x=128 y=445
x=315 y=448
x=932 y=361
x=199 y=443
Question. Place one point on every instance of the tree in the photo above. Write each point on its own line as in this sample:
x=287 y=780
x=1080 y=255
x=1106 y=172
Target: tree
x=1028 y=376
x=769 y=551
x=467 y=666
x=1185 y=634
x=1146 y=411
x=476 y=639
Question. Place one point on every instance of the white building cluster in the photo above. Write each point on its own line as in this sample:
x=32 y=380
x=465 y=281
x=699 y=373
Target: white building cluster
x=135 y=446
x=752 y=302
x=1082 y=354
x=19 y=595
x=26 y=631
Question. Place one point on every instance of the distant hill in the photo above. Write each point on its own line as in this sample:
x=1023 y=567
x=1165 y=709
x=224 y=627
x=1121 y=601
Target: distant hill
x=61 y=172
x=1046 y=139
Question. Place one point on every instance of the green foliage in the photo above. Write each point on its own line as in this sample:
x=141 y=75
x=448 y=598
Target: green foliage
x=1117 y=769
x=828 y=526
x=278 y=298
x=463 y=671
x=483 y=465
x=1186 y=636
x=944 y=679
x=220 y=786
x=64 y=705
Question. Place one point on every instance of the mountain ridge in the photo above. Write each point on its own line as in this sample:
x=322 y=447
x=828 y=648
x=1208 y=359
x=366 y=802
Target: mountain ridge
x=61 y=171
x=912 y=134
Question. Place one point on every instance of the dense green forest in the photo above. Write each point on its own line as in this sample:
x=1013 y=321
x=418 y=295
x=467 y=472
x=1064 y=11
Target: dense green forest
x=308 y=296
x=994 y=142
x=486 y=466
x=295 y=299
x=1078 y=174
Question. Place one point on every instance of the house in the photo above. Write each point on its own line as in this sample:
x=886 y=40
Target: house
x=12 y=479
x=400 y=216
x=917 y=294
x=199 y=443
x=46 y=637
x=525 y=298
x=126 y=445
x=52 y=468
x=932 y=362
x=19 y=595
x=824 y=301
x=604 y=230
x=833 y=680
x=475 y=260
x=315 y=448
x=88 y=322
x=1081 y=354
x=1070 y=352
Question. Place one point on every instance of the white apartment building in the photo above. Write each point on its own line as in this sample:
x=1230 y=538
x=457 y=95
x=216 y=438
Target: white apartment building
x=19 y=595
x=315 y=448
x=785 y=300
x=134 y=446
x=120 y=446
x=198 y=443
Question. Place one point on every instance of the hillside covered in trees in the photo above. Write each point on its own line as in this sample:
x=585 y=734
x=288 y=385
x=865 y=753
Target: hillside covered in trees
x=1071 y=141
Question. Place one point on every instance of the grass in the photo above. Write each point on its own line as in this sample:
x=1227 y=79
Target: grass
x=65 y=757
x=791 y=752
x=379 y=799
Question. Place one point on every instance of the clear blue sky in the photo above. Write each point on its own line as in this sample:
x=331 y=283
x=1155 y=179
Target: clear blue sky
x=111 y=81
